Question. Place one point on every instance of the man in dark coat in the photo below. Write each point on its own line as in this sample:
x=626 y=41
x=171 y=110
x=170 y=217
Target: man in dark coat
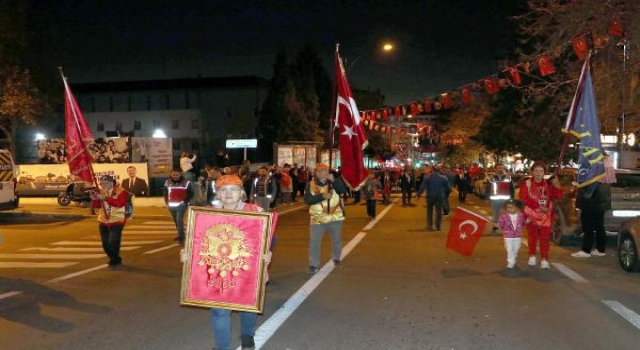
x=593 y=200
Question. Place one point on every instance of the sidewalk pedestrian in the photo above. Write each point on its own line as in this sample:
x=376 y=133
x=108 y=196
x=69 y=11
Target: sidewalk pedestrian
x=178 y=191
x=538 y=194
x=511 y=222
x=326 y=214
x=263 y=189
x=186 y=165
x=111 y=199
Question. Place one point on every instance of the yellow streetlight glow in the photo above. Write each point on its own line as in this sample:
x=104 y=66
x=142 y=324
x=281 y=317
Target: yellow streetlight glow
x=387 y=47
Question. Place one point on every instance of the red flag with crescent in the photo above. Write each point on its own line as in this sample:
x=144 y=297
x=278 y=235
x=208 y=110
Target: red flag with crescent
x=545 y=65
x=465 y=231
x=351 y=133
x=580 y=46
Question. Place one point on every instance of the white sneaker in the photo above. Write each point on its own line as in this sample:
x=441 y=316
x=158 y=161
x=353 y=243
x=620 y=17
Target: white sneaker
x=532 y=261
x=545 y=264
x=581 y=254
x=511 y=265
x=597 y=253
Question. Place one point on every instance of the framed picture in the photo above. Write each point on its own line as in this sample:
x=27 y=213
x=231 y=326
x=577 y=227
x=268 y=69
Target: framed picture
x=225 y=268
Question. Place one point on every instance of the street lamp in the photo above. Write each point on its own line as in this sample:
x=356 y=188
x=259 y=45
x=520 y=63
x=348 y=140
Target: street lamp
x=40 y=136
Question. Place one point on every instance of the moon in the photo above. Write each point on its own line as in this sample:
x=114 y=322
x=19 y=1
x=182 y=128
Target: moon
x=469 y=222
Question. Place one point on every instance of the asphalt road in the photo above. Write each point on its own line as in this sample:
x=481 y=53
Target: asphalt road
x=399 y=289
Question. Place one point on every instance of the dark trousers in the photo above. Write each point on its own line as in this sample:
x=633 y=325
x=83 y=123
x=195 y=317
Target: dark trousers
x=434 y=202
x=462 y=194
x=111 y=237
x=445 y=204
x=371 y=207
x=177 y=213
x=406 y=196
x=593 y=224
x=356 y=196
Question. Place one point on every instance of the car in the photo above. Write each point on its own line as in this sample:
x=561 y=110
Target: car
x=625 y=204
x=628 y=239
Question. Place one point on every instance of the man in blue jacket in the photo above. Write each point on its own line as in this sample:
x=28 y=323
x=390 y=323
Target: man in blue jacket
x=436 y=186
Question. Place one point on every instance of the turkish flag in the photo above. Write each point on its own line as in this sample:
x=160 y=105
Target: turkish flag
x=414 y=109
x=78 y=137
x=427 y=106
x=465 y=231
x=515 y=75
x=491 y=85
x=580 y=46
x=466 y=95
x=397 y=111
x=385 y=114
x=616 y=29
x=545 y=65
x=446 y=101
x=351 y=133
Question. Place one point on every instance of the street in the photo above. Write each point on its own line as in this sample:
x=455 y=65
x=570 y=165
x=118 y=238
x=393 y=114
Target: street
x=399 y=288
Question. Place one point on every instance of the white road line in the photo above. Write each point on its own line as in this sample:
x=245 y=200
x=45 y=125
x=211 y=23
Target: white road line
x=66 y=277
x=292 y=209
x=51 y=256
x=378 y=217
x=162 y=248
x=157 y=223
x=166 y=233
x=270 y=326
x=9 y=294
x=97 y=243
x=35 y=265
x=569 y=273
x=623 y=311
x=71 y=249
x=172 y=226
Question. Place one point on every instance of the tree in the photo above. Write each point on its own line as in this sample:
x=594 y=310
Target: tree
x=273 y=108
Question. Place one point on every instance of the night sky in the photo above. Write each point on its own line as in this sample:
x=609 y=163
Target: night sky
x=440 y=45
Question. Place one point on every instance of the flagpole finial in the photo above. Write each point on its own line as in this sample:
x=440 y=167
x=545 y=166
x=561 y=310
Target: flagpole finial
x=337 y=47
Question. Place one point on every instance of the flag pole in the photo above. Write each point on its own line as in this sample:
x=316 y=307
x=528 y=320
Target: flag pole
x=332 y=122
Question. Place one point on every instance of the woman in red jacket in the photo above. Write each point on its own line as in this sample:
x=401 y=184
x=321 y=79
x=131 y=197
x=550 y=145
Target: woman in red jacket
x=538 y=194
x=112 y=200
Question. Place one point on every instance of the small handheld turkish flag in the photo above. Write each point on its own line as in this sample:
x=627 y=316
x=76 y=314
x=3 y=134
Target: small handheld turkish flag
x=465 y=231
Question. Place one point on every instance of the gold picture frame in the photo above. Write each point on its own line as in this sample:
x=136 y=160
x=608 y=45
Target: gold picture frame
x=225 y=266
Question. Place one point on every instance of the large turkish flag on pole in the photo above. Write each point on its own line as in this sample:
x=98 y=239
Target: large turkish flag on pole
x=352 y=137
x=465 y=231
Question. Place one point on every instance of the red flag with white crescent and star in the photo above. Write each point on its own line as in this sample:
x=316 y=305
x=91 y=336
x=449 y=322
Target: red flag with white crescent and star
x=351 y=133
x=465 y=231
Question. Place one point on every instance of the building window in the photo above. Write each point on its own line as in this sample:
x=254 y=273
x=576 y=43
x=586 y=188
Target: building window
x=100 y=126
x=175 y=124
x=168 y=100
x=148 y=103
x=118 y=126
x=195 y=124
x=110 y=104
x=137 y=125
x=156 y=124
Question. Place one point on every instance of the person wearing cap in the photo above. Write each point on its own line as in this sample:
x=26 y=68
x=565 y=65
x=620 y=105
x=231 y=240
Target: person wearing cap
x=111 y=198
x=177 y=194
x=230 y=195
x=326 y=212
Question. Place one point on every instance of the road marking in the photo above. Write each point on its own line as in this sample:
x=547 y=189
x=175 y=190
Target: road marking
x=378 y=217
x=71 y=249
x=66 y=277
x=157 y=223
x=91 y=243
x=51 y=256
x=35 y=265
x=9 y=294
x=290 y=210
x=162 y=248
x=623 y=311
x=569 y=273
x=270 y=326
x=167 y=233
x=171 y=226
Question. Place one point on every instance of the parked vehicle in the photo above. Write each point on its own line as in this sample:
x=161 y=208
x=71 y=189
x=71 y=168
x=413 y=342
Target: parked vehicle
x=628 y=239
x=625 y=203
x=9 y=198
x=75 y=192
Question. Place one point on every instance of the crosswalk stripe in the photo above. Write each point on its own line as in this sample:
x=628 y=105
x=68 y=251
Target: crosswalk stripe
x=51 y=256
x=71 y=249
x=66 y=277
x=162 y=248
x=91 y=243
x=159 y=223
x=173 y=232
x=150 y=227
x=38 y=265
x=9 y=294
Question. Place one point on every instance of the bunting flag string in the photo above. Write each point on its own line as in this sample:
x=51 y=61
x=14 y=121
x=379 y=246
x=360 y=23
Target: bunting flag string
x=540 y=66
